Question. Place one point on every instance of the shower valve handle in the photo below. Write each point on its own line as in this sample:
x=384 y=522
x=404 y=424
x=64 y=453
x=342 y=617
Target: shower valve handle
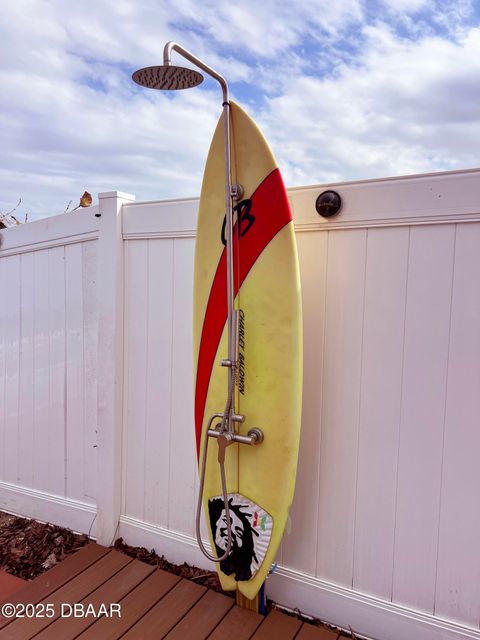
x=224 y=440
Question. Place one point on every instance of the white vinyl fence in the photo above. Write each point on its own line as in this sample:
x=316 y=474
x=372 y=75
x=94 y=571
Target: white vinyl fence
x=96 y=419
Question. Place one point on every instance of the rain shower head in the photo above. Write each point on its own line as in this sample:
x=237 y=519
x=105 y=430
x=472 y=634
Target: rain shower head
x=167 y=77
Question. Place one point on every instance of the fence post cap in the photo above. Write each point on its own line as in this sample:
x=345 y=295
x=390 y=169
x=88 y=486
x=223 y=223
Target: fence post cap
x=116 y=194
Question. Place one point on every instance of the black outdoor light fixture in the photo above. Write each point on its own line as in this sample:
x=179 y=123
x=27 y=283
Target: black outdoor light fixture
x=328 y=204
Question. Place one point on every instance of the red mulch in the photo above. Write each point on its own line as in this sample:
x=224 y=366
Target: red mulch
x=29 y=548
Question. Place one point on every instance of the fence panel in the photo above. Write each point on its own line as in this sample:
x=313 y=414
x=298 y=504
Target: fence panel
x=384 y=524
x=48 y=324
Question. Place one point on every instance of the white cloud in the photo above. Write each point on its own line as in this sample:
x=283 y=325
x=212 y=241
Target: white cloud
x=267 y=29
x=406 y=6
x=340 y=96
x=405 y=107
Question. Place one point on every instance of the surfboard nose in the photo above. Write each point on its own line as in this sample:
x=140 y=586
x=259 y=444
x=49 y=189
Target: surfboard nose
x=167 y=77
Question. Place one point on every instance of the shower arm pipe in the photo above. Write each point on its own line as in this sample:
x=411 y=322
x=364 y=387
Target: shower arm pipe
x=174 y=46
x=231 y=362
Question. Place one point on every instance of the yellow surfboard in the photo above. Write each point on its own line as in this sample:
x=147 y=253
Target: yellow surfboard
x=261 y=478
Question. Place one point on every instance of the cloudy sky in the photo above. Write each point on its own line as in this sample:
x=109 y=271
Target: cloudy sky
x=343 y=90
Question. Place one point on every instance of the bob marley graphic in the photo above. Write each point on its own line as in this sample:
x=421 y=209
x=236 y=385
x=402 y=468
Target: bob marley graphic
x=251 y=531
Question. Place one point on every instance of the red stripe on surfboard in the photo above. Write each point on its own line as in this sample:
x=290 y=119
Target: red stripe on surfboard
x=271 y=209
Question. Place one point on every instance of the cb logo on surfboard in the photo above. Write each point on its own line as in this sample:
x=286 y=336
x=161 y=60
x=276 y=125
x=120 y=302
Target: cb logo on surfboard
x=243 y=211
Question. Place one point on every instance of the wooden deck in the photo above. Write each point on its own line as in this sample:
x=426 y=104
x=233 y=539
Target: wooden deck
x=9 y=584
x=153 y=604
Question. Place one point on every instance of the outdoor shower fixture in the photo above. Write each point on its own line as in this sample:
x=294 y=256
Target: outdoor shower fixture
x=171 y=77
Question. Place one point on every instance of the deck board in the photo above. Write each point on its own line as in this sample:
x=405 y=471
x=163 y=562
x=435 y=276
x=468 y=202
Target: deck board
x=161 y=619
x=310 y=632
x=238 y=624
x=203 y=618
x=73 y=591
x=134 y=606
x=154 y=604
x=9 y=584
x=279 y=626
x=111 y=591
x=45 y=584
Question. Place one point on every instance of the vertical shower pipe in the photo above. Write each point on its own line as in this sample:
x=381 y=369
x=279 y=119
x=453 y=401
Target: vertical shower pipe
x=227 y=423
x=231 y=363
